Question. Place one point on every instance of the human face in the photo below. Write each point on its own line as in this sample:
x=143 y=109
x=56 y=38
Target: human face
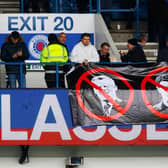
x=85 y=40
x=105 y=49
x=143 y=43
x=130 y=46
x=107 y=84
x=164 y=93
x=14 y=41
x=62 y=38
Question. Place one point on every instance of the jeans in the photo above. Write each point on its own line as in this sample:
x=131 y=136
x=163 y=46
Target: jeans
x=12 y=78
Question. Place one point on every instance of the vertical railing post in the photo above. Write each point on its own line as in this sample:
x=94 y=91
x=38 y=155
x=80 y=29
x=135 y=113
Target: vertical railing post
x=22 y=6
x=21 y=75
x=56 y=6
x=90 y=6
x=137 y=17
x=98 y=6
x=57 y=75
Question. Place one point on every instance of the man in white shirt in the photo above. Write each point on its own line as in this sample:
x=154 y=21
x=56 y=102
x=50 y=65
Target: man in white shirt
x=84 y=51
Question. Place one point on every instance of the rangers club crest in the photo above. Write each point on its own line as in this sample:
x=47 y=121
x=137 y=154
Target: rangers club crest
x=36 y=44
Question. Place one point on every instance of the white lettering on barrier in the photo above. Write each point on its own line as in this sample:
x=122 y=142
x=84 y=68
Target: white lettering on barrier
x=50 y=101
x=153 y=134
x=7 y=134
x=125 y=135
x=90 y=136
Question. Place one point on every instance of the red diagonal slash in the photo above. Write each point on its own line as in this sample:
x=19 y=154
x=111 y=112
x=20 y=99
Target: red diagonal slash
x=121 y=111
x=109 y=98
x=143 y=91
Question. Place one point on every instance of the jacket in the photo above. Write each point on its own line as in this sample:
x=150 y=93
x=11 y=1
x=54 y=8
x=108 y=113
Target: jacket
x=135 y=55
x=81 y=53
x=8 y=50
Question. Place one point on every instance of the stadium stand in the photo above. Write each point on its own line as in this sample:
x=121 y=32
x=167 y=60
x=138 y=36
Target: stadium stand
x=9 y=6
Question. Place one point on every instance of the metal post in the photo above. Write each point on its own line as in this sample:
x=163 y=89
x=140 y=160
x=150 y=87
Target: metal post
x=57 y=75
x=137 y=17
x=21 y=75
x=90 y=6
x=56 y=6
x=22 y=6
x=98 y=6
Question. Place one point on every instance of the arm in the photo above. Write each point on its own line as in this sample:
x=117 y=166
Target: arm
x=44 y=55
x=75 y=55
x=95 y=55
x=24 y=53
x=5 y=55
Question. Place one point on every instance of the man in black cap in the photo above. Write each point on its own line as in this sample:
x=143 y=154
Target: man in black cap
x=135 y=52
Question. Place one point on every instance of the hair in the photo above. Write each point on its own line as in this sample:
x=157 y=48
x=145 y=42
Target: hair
x=162 y=77
x=15 y=35
x=85 y=35
x=142 y=37
x=105 y=44
x=52 y=38
x=132 y=41
x=61 y=33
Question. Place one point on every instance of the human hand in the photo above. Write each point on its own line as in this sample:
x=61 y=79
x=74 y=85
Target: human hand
x=14 y=56
x=85 y=62
x=19 y=53
x=122 y=53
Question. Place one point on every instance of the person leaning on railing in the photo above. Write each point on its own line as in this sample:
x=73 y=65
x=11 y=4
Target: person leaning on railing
x=14 y=51
x=54 y=53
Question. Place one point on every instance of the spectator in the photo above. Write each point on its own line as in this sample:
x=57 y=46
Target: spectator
x=54 y=53
x=84 y=51
x=62 y=40
x=104 y=55
x=36 y=6
x=142 y=39
x=14 y=50
x=135 y=52
x=163 y=53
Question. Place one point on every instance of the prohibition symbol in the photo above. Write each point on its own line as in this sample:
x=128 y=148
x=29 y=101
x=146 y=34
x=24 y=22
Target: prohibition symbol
x=143 y=91
x=121 y=110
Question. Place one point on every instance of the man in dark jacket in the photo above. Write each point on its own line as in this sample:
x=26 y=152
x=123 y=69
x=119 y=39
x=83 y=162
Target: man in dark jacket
x=15 y=51
x=104 y=54
x=135 y=52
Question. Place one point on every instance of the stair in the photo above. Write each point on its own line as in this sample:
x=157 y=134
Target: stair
x=9 y=6
x=150 y=49
x=120 y=34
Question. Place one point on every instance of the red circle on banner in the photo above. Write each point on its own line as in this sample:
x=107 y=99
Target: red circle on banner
x=148 y=79
x=121 y=111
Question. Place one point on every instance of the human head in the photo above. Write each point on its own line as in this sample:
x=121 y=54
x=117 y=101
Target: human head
x=142 y=39
x=104 y=48
x=132 y=43
x=163 y=80
x=62 y=38
x=15 y=37
x=52 y=38
x=85 y=39
x=107 y=84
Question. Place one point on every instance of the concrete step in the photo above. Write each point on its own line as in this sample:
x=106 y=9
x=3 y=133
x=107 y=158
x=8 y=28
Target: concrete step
x=150 y=49
x=149 y=45
x=9 y=6
x=123 y=35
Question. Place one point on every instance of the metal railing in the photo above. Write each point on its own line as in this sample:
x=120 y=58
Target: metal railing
x=41 y=70
x=99 y=9
x=58 y=5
